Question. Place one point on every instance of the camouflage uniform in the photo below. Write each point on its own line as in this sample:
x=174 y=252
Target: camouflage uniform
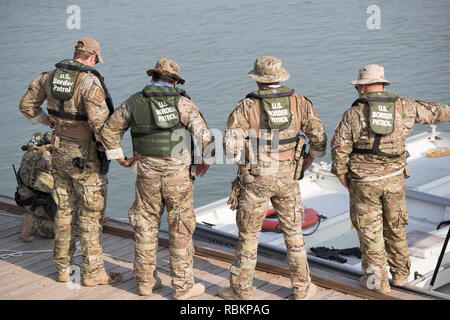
x=275 y=181
x=161 y=182
x=75 y=190
x=377 y=183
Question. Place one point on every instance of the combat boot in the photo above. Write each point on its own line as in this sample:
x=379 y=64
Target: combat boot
x=229 y=294
x=63 y=277
x=197 y=290
x=399 y=281
x=383 y=287
x=308 y=295
x=27 y=227
x=145 y=289
x=104 y=278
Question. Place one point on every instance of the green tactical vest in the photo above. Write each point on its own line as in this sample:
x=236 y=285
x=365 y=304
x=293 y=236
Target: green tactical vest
x=63 y=85
x=381 y=119
x=155 y=117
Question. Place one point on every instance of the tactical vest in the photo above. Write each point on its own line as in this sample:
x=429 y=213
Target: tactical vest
x=383 y=123
x=63 y=85
x=274 y=124
x=155 y=118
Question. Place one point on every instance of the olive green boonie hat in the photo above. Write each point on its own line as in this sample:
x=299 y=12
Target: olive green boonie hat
x=268 y=69
x=89 y=45
x=167 y=67
x=370 y=74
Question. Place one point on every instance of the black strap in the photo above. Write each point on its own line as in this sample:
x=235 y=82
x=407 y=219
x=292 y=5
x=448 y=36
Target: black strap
x=280 y=142
x=69 y=116
x=271 y=95
x=376 y=149
x=375 y=99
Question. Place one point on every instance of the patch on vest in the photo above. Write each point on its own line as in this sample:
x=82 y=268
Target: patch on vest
x=278 y=112
x=165 y=115
x=382 y=117
x=63 y=83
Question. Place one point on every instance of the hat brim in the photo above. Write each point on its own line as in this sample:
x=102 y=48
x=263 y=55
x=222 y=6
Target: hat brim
x=165 y=73
x=100 y=59
x=269 y=78
x=370 y=81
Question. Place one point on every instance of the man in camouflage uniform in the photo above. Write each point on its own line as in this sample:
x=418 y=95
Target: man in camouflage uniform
x=369 y=158
x=255 y=123
x=77 y=110
x=162 y=119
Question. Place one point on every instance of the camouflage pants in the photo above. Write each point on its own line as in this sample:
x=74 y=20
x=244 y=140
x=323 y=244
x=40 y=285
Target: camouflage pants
x=80 y=195
x=284 y=193
x=379 y=214
x=173 y=188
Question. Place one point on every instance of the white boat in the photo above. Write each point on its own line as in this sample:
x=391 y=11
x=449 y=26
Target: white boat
x=428 y=202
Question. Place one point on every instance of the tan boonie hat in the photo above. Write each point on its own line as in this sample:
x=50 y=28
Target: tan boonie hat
x=268 y=69
x=167 y=67
x=371 y=74
x=89 y=45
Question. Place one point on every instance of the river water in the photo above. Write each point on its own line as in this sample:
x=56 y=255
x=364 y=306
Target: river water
x=321 y=43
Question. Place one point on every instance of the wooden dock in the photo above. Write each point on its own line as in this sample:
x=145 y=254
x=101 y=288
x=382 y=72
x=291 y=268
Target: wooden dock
x=31 y=276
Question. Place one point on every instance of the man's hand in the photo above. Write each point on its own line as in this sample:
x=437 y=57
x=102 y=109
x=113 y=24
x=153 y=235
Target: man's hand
x=343 y=179
x=307 y=162
x=46 y=121
x=124 y=162
x=104 y=218
x=201 y=169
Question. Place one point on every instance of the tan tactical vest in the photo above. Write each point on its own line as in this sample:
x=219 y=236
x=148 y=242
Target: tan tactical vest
x=262 y=138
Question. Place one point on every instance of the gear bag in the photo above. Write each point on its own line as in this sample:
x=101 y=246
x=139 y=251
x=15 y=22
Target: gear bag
x=35 y=179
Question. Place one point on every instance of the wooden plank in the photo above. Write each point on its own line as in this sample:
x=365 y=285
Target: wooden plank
x=110 y=264
x=11 y=224
x=207 y=255
x=10 y=205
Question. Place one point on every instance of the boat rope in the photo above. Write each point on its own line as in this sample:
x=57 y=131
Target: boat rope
x=321 y=217
x=13 y=253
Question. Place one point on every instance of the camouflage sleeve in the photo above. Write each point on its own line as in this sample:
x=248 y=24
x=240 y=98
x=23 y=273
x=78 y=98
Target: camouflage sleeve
x=417 y=111
x=313 y=128
x=30 y=104
x=194 y=121
x=94 y=102
x=237 y=130
x=341 y=145
x=113 y=131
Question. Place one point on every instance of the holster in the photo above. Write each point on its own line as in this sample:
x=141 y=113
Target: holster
x=236 y=187
x=192 y=171
x=104 y=162
x=299 y=156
